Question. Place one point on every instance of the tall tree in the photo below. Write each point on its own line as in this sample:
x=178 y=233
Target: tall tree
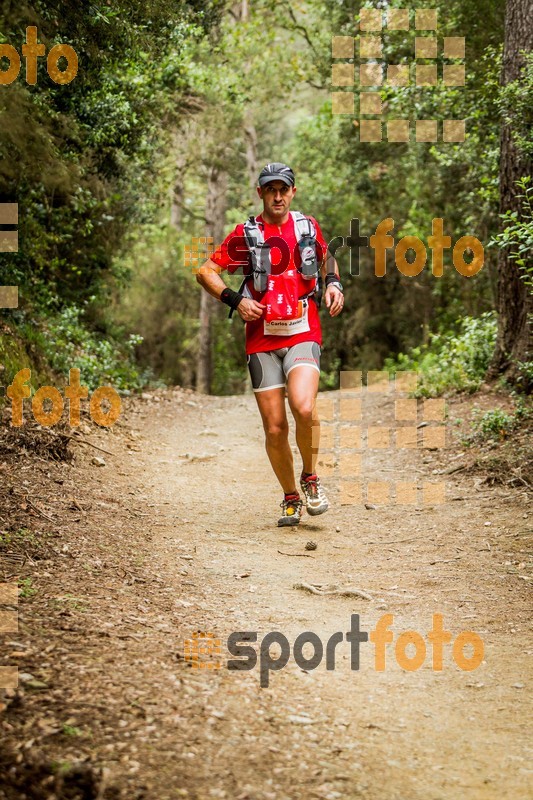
x=249 y=129
x=215 y=215
x=240 y=82
x=515 y=302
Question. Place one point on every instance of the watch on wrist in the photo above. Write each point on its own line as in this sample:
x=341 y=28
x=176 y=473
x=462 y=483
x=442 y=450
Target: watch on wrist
x=333 y=280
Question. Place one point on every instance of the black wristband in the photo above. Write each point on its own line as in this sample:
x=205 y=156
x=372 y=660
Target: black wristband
x=231 y=298
x=332 y=277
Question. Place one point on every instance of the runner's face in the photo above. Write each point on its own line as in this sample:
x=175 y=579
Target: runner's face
x=277 y=198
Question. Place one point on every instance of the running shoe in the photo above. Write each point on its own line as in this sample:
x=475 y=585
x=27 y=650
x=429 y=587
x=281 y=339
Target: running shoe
x=315 y=498
x=291 y=512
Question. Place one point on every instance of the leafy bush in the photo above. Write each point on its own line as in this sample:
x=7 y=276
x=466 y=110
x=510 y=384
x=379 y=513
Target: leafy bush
x=499 y=423
x=518 y=232
x=67 y=343
x=495 y=422
x=451 y=361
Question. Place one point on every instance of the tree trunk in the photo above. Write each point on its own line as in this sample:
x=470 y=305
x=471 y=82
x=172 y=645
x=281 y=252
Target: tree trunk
x=250 y=133
x=514 y=300
x=177 y=190
x=176 y=200
x=215 y=213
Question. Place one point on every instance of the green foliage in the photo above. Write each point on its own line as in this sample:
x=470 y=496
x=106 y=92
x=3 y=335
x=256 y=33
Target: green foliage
x=91 y=165
x=82 y=162
x=16 y=353
x=329 y=379
x=82 y=176
x=52 y=345
x=451 y=361
x=68 y=344
x=498 y=423
x=230 y=372
x=161 y=301
x=72 y=730
x=340 y=177
x=525 y=369
x=72 y=602
x=517 y=233
x=21 y=537
x=27 y=589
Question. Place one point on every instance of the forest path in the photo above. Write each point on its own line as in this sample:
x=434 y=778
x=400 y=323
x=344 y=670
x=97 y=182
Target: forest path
x=183 y=511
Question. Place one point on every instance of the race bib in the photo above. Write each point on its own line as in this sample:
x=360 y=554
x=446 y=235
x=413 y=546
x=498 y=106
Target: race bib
x=288 y=327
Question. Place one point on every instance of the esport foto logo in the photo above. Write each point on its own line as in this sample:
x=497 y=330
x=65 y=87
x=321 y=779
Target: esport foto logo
x=409 y=649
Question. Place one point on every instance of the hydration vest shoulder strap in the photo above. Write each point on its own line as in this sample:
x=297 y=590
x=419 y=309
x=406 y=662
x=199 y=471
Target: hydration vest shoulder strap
x=306 y=235
x=259 y=251
x=253 y=233
x=303 y=225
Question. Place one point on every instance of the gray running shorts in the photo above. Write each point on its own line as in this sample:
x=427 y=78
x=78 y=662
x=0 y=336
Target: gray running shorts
x=269 y=370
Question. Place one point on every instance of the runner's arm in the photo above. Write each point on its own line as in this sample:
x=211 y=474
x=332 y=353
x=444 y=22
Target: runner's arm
x=334 y=298
x=208 y=276
x=329 y=265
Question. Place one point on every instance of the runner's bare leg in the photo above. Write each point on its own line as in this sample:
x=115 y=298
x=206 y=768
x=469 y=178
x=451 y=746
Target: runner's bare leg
x=271 y=405
x=302 y=388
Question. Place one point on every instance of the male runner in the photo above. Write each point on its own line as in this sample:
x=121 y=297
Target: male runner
x=290 y=360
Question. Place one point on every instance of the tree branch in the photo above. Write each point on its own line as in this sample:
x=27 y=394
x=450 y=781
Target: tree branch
x=301 y=29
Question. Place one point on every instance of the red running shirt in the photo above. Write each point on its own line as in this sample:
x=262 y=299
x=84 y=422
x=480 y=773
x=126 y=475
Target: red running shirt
x=233 y=255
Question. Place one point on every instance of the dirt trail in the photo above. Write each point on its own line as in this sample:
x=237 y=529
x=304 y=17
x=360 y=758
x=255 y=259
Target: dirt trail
x=157 y=550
